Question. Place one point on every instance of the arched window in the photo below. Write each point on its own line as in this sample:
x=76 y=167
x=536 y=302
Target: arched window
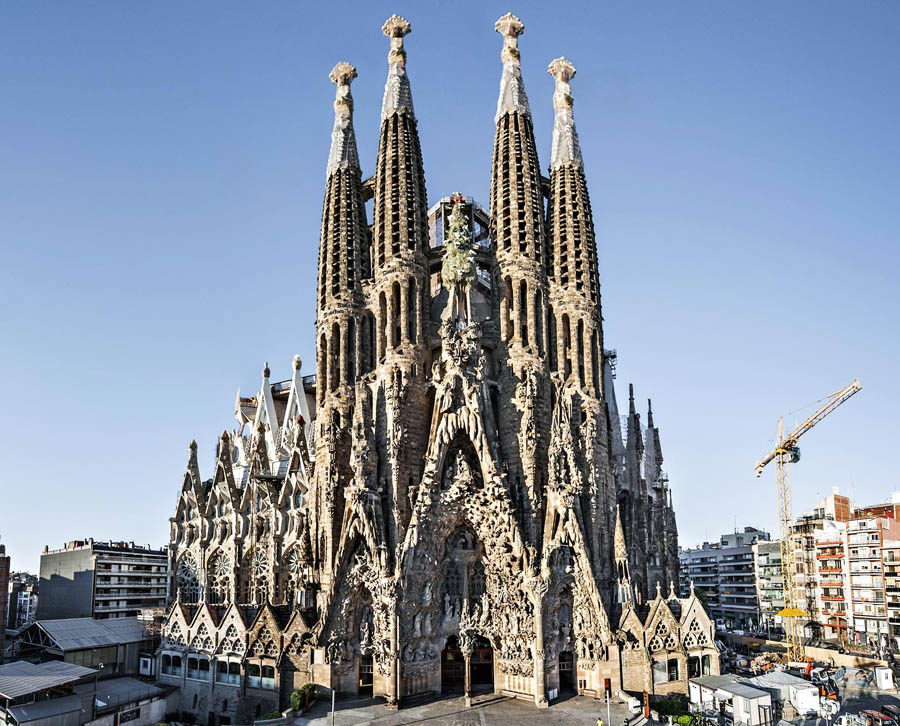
x=322 y=373
x=581 y=377
x=552 y=342
x=411 y=310
x=395 y=314
x=567 y=346
x=539 y=322
x=476 y=582
x=523 y=311
x=335 y=354
x=382 y=326
x=350 y=352
x=298 y=499
x=595 y=361
x=508 y=303
x=452 y=580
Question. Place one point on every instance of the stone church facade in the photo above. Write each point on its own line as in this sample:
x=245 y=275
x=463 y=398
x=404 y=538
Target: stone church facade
x=450 y=502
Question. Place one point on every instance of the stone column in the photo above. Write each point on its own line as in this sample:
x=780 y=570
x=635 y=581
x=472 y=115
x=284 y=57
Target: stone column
x=540 y=682
x=393 y=689
x=467 y=657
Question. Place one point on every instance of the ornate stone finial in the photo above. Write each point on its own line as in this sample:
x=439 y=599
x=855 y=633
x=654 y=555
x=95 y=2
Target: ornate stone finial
x=266 y=371
x=565 y=148
x=193 y=446
x=512 y=89
x=658 y=589
x=224 y=436
x=510 y=27
x=343 y=140
x=692 y=588
x=297 y=362
x=649 y=414
x=397 y=95
x=671 y=589
x=562 y=71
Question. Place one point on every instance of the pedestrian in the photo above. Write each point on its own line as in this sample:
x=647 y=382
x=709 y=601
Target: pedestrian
x=599 y=721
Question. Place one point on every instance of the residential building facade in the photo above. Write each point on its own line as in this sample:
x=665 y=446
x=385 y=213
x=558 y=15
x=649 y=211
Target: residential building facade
x=23 y=597
x=4 y=596
x=769 y=585
x=725 y=573
x=88 y=578
x=865 y=550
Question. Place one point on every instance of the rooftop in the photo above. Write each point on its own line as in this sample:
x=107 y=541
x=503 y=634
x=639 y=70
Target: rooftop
x=80 y=633
x=21 y=678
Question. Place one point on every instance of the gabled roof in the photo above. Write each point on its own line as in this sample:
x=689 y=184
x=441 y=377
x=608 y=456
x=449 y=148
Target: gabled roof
x=21 y=678
x=79 y=633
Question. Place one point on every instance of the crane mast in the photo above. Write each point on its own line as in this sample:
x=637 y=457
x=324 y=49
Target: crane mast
x=787 y=452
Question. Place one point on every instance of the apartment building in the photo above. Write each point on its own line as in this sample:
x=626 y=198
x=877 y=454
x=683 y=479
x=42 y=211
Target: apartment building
x=769 y=584
x=866 y=536
x=833 y=586
x=23 y=597
x=102 y=580
x=724 y=572
x=890 y=557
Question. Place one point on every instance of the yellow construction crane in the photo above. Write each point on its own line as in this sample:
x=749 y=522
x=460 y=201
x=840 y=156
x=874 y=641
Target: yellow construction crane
x=787 y=452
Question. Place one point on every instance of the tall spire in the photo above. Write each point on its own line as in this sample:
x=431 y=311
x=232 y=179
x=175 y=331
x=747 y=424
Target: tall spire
x=574 y=279
x=565 y=149
x=512 y=90
x=516 y=197
x=624 y=592
x=397 y=95
x=400 y=210
x=343 y=139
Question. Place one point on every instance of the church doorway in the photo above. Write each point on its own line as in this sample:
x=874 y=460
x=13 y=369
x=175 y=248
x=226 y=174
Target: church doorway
x=567 y=671
x=365 y=675
x=452 y=667
x=481 y=664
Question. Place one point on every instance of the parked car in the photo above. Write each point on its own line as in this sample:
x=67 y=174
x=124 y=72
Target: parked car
x=864 y=677
x=892 y=711
x=877 y=718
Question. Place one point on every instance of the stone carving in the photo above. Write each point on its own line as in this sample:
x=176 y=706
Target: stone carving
x=449 y=478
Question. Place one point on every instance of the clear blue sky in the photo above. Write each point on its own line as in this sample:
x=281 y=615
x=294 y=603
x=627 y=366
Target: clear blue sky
x=161 y=180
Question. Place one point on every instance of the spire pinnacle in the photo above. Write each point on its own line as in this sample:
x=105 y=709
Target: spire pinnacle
x=397 y=95
x=621 y=552
x=649 y=414
x=343 y=139
x=631 y=408
x=565 y=149
x=512 y=89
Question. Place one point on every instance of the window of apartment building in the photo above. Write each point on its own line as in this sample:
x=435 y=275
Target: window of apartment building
x=673 y=669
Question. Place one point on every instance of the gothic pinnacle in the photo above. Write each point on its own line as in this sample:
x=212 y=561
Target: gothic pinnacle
x=397 y=95
x=650 y=414
x=343 y=140
x=566 y=148
x=512 y=89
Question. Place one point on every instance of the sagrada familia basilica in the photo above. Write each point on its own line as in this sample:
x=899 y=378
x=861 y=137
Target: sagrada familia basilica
x=450 y=502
